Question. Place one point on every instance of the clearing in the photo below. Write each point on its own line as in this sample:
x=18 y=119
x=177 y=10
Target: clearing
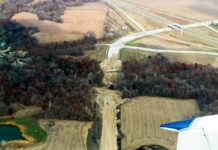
x=107 y=100
x=142 y=116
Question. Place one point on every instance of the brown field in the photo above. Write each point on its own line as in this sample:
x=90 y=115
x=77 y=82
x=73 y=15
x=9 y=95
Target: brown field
x=193 y=9
x=77 y=21
x=157 y=42
x=89 y=17
x=142 y=116
x=206 y=31
x=173 y=18
x=48 y=38
x=192 y=58
x=64 y=135
x=176 y=34
x=147 y=23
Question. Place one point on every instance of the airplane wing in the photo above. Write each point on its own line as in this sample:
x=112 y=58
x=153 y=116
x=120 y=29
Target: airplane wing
x=196 y=134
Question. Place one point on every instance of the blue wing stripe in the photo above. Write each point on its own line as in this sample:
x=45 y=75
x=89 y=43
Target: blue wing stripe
x=178 y=125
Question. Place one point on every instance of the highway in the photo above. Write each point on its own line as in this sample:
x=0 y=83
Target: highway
x=212 y=29
x=167 y=22
x=123 y=13
x=115 y=47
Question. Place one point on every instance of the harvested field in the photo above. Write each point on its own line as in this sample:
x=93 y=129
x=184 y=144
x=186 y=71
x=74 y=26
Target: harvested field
x=141 y=118
x=87 y=18
x=76 y=22
x=199 y=9
x=192 y=58
x=48 y=38
x=64 y=135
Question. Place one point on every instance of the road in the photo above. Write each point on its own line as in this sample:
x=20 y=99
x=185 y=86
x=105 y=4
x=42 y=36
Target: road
x=123 y=13
x=148 y=13
x=115 y=47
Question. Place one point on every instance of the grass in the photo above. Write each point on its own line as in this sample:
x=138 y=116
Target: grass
x=149 y=46
x=99 y=54
x=215 y=26
x=32 y=127
x=130 y=43
x=129 y=54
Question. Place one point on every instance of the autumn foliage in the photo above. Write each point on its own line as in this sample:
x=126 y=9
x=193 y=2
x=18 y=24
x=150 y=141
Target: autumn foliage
x=157 y=76
x=62 y=87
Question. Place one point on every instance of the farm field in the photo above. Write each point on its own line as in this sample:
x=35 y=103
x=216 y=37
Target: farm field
x=128 y=54
x=141 y=118
x=73 y=27
x=92 y=21
x=67 y=135
x=199 y=10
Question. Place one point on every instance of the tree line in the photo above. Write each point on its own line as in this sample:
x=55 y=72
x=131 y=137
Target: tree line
x=157 y=76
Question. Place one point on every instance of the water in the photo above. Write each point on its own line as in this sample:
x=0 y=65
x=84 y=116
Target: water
x=10 y=133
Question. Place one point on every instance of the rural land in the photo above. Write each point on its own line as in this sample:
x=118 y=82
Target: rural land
x=104 y=74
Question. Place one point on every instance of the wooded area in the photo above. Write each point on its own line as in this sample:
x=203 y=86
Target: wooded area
x=62 y=87
x=157 y=76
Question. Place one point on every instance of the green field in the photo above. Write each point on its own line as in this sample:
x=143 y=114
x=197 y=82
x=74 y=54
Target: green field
x=215 y=26
x=98 y=54
x=130 y=54
x=32 y=127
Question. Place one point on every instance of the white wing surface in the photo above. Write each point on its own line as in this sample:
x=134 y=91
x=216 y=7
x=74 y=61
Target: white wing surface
x=196 y=134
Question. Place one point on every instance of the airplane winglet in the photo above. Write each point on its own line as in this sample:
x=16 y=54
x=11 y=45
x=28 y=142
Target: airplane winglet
x=178 y=125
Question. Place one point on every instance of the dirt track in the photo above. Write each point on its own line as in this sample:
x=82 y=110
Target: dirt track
x=107 y=100
x=142 y=116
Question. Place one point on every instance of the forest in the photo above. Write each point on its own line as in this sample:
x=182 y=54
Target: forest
x=62 y=87
x=19 y=37
x=157 y=76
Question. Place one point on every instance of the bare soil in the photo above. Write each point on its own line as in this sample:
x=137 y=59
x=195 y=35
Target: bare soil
x=76 y=22
x=142 y=116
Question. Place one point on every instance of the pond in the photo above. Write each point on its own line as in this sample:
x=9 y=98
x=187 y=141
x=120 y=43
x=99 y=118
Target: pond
x=10 y=133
